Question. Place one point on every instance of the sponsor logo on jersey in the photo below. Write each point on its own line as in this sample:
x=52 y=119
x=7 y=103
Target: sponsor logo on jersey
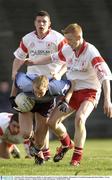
x=39 y=52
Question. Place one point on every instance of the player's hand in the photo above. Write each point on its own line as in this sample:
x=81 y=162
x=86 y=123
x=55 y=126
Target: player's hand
x=63 y=106
x=108 y=109
x=28 y=62
x=17 y=109
x=56 y=76
x=13 y=104
x=12 y=101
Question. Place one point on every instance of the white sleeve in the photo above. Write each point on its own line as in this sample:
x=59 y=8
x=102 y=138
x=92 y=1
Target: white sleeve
x=63 y=55
x=4 y=122
x=101 y=68
x=22 y=50
x=20 y=54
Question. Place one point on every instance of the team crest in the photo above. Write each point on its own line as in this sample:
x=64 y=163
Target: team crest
x=32 y=45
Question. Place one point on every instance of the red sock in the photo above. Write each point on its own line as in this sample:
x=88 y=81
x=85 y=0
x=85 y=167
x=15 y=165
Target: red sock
x=46 y=153
x=26 y=141
x=77 y=155
x=66 y=140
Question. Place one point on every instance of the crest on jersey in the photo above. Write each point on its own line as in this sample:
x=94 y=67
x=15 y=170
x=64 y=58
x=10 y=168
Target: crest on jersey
x=32 y=45
x=51 y=46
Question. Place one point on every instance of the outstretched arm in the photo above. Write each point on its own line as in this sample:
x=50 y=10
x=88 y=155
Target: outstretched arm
x=39 y=61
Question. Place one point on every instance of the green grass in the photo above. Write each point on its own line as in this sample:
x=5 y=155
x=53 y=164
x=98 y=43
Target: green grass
x=97 y=161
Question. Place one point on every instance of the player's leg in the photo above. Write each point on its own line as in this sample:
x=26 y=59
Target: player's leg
x=26 y=129
x=14 y=151
x=46 y=149
x=26 y=124
x=4 y=150
x=42 y=113
x=55 y=123
x=80 y=130
x=41 y=130
x=41 y=138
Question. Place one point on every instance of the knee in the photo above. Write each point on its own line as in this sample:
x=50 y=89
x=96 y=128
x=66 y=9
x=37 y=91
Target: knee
x=80 y=122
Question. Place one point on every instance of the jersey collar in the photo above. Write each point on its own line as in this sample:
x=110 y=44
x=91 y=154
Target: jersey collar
x=44 y=36
x=77 y=53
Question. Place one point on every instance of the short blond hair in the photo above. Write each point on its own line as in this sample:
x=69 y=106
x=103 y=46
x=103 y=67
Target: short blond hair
x=41 y=81
x=71 y=28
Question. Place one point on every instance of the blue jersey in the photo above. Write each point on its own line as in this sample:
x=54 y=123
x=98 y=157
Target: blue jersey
x=56 y=87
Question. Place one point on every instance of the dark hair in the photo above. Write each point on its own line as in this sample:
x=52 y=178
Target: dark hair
x=43 y=13
x=15 y=117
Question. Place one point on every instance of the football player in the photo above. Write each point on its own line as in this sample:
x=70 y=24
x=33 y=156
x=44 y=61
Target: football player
x=91 y=74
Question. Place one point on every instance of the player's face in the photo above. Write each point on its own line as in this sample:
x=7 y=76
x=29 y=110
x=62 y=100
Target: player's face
x=42 y=24
x=14 y=128
x=39 y=91
x=73 y=40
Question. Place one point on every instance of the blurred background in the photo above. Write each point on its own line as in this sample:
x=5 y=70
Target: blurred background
x=95 y=17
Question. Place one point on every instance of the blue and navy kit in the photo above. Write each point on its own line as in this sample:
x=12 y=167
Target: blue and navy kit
x=56 y=88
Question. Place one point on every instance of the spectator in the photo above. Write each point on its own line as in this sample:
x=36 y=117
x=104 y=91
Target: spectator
x=4 y=97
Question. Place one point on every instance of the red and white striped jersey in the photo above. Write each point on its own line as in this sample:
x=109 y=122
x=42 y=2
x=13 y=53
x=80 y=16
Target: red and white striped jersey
x=5 y=133
x=87 y=66
x=34 y=47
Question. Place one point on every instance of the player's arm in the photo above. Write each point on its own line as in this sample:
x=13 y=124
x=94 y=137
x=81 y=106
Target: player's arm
x=14 y=90
x=104 y=75
x=70 y=92
x=61 y=55
x=16 y=66
x=63 y=105
x=13 y=94
x=60 y=73
x=39 y=61
x=107 y=98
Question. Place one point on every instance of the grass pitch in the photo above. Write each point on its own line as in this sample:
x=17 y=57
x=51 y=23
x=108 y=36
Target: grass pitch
x=97 y=161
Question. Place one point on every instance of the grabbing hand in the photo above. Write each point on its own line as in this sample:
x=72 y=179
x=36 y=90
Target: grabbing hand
x=13 y=104
x=12 y=101
x=28 y=62
x=56 y=76
x=63 y=106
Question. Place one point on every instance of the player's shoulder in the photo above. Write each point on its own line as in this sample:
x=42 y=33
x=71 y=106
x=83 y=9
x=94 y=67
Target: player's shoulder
x=92 y=49
x=29 y=35
x=91 y=46
x=67 y=49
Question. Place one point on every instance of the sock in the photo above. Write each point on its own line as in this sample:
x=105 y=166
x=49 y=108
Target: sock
x=26 y=146
x=46 y=153
x=66 y=141
x=77 y=155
